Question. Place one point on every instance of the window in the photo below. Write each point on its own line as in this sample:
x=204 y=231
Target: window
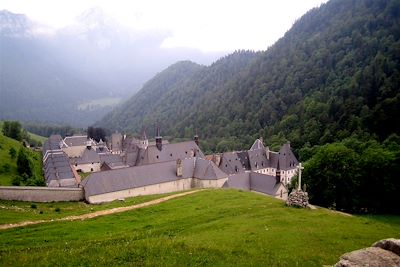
x=157 y=156
x=170 y=154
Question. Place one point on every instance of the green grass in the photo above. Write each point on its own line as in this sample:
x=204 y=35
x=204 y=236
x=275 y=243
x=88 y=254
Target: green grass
x=19 y=211
x=208 y=228
x=6 y=176
x=37 y=138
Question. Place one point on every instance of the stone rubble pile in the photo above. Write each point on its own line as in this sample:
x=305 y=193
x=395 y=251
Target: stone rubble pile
x=298 y=198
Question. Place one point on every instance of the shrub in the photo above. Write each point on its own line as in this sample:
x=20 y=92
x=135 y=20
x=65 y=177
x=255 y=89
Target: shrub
x=57 y=209
x=33 y=206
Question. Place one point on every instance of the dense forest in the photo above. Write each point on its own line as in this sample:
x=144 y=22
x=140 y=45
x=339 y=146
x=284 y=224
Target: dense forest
x=335 y=74
x=330 y=86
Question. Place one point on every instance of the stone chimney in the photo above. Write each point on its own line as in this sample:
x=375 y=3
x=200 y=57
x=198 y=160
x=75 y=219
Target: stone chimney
x=267 y=152
x=217 y=159
x=89 y=144
x=179 y=168
x=158 y=139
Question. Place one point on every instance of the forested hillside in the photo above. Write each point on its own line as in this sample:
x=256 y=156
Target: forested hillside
x=334 y=74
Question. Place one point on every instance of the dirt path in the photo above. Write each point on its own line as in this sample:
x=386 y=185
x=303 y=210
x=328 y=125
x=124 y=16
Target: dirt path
x=98 y=213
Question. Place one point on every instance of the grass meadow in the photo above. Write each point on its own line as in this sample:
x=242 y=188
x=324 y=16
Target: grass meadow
x=208 y=228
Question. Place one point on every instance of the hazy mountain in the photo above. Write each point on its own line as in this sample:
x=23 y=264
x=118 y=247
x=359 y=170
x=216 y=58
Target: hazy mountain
x=333 y=75
x=76 y=74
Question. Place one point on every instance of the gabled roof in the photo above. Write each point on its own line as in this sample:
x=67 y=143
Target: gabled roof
x=76 y=140
x=139 y=176
x=205 y=169
x=287 y=159
x=52 y=143
x=231 y=162
x=258 y=144
x=263 y=183
x=88 y=156
x=239 y=181
x=169 y=152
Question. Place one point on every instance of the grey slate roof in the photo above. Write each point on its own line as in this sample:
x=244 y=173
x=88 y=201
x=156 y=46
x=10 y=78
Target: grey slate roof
x=233 y=162
x=169 y=152
x=57 y=166
x=205 y=169
x=52 y=143
x=88 y=156
x=239 y=181
x=287 y=160
x=139 y=176
x=76 y=140
x=258 y=144
x=263 y=183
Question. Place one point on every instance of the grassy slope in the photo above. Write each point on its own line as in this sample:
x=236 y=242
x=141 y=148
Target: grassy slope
x=5 y=145
x=37 y=138
x=19 y=211
x=215 y=227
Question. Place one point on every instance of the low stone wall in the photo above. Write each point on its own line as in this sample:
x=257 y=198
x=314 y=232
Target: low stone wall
x=41 y=194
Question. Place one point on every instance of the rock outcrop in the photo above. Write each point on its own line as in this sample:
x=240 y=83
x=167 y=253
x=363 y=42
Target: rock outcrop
x=383 y=253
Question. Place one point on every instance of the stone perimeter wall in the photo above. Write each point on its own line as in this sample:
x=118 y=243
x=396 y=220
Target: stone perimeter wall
x=41 y=194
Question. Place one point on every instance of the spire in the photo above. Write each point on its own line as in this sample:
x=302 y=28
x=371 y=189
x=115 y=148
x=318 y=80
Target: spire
x=143 y=142
x=143 y=135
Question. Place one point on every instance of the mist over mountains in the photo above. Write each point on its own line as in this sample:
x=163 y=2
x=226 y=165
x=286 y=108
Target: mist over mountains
x=78 y=73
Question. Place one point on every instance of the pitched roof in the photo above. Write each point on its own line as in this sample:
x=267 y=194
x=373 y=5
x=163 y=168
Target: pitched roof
x=76 y=140
x=139 y=176
x=233 y=162
x=88 y=156
x=169 y=152
x=287 y=159
x=205 y=169
x=52 y=143
x=263 y=183
x=258 y=144
x=239 y=181
x=133 y=177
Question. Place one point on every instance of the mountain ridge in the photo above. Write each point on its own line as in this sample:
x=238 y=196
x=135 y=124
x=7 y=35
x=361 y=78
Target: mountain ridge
x=331 y=76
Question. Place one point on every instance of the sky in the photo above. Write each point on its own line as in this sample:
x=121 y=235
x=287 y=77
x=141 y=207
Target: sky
x=207 y=25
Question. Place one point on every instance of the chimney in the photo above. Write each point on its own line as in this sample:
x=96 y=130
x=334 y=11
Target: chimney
x=196 y=139
x=179 y=168
x=158 y=139
x=217 y=159
x=267 y=152
x=88 y=144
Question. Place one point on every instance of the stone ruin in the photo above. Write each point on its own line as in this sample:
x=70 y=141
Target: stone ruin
x=298 y=198
x=383 y=253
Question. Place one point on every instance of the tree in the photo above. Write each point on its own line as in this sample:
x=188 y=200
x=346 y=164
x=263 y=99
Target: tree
x=333 y=176
x=12 y=152
x=24 y=165
x=13 y=130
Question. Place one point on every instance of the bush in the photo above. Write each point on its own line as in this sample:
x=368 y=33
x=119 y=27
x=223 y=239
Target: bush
x=57 y=209
x=16 y=181
x=33 y=206
x=12 y=152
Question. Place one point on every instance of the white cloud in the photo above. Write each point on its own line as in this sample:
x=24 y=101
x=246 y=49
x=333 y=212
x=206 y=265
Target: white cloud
x=207 y=25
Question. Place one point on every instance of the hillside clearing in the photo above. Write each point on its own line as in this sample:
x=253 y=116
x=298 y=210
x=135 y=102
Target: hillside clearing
x=211 y=227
